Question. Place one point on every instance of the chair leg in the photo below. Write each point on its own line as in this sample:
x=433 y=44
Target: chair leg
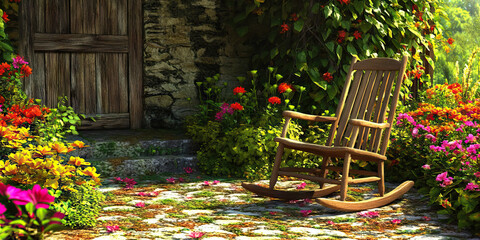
x=381 y=175
x=345 y=173
x=324 y=171
x=276 y=166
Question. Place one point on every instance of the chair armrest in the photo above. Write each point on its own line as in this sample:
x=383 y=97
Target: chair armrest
x=365 y=123
x=308 y=117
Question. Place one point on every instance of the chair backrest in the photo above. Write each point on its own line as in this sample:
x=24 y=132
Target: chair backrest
x=371 y=91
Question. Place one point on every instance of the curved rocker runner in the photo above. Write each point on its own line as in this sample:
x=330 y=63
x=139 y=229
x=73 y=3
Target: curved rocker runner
x=357 y=132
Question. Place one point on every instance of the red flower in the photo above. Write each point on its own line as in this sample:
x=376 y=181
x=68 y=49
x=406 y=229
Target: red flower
x=357 y=34
x=294 y=17
x=450 y=41
x=274 y=100
x=283 y=87
x=327 y=77
x=236 y=106
x=284 y=27
x=341 y=36
x=344 y=1
x=432 y=28
x=5 y=17
x=17 y=1
x=26 y=70
x=32 y=112
x=2 y=99
x=238 y=90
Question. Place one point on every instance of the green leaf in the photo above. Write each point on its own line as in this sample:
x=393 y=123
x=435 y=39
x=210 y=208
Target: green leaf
x=239 y=17
x=328 y=11
x=41 y=213
x=302 y=57
x=316 y=78
x=475 y=217
x=330 y=46
x=6 y=47
x=351 y=49
x=298 y=25
x=242 y=31
x=327 y=34
x=359 y=6
x=315 y=8
x=339 y=52
x=332 y=91
x=18 y=222
x=273 y=53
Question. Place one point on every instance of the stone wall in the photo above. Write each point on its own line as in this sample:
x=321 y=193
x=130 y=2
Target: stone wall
x=185 y=42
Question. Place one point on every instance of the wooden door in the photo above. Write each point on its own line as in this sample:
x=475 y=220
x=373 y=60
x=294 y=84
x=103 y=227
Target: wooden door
x=89 y=51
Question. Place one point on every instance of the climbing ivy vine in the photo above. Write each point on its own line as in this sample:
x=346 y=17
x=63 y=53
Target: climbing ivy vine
x=312 y=42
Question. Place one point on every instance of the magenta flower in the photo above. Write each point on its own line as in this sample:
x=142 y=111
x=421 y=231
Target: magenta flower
x=396 y=221
x=153 y=194
x=470 y=138
x=111 y=229
x=142 y=194
x=442 y=177
x=305 y=213
x=426 y=218
x=3 y=209
x=215 y=182
x=477 y=174
x=58 y=215
x=472 y=187
x=188 y=170
x=196 y=235
x=206 y=183
x=18 y=61
x=431 y=137
x=40 y=197
x=370 y=214
x=426 y=166
x=330 y=222
x=171 y=180
x=273 y=213
x=140 y=204
x=301 y=185
x=18 y=196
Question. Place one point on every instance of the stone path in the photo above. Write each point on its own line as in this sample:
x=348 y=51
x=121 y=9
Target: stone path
x=224 y=210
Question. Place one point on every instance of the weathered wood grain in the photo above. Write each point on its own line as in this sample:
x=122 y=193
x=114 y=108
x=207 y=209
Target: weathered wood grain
x=80 y=43
x=135 y=62
x=106 y=121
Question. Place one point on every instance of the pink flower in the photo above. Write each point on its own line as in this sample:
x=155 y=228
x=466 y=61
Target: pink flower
x=38 y=196
x=471 y=187
x=196 y=235
x=442 y=177
x=302 y=185
x=206 y=183
x=477 y=174
x=396 y=221
x=153 y=194
x=215 y=182
x=111 y=229
x=171 y=180
x=18 y=61
x=426 y=218
x=426 y=166
x=140 y=204
x=431 y=137
x=370 y=214
x=142 y=194
x=188 y=170
x=331 y=223
x=470 y=138
x=305 y=213
x=181 y=180
x=273 y=213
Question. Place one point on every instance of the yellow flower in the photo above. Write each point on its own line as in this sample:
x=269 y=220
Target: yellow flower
x=44 y=150
x=59 y=147
x=52 y=182
x=4 y=164
x=10 y=170
x=77 y=161
x=79 y=144
x=20 y=157
x=35 y=163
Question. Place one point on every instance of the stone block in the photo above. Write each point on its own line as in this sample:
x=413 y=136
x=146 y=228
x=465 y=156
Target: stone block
x=161 y=101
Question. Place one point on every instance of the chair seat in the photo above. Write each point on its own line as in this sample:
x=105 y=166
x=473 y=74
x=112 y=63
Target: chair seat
x=331 y=151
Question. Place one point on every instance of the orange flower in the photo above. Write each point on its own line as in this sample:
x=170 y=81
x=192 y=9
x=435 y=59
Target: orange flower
x=26 y=70
x=5 y=17
x=77 y=161
x=59 y=148
x=79 y=144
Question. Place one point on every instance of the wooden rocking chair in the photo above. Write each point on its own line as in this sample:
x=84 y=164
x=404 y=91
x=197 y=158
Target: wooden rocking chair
x=357 y=131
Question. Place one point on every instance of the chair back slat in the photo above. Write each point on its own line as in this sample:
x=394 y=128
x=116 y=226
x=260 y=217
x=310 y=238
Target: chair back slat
x=368 y=98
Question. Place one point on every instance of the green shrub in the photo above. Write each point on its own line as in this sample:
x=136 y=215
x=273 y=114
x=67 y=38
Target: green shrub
x=81 y=207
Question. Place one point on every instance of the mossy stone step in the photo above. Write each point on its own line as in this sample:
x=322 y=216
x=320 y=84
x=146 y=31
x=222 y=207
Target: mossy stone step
x=133 y=143
x=143 y=166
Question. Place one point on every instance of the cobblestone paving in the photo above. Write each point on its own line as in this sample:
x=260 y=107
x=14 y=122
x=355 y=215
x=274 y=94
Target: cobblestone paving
x=224 y=210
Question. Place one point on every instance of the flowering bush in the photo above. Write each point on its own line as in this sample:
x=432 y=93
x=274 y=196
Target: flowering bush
x=441 y=143
x=237 y=131
x=24 y=214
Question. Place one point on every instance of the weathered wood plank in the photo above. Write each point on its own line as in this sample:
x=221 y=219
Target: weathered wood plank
x=106 y=121
x=57 y=16
x=101 y=88
x=135 y=68
x=111 y=80
x=80 y=43
x=123 y=83
x=39 y=15
x=25 y=47
x=90 y=84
